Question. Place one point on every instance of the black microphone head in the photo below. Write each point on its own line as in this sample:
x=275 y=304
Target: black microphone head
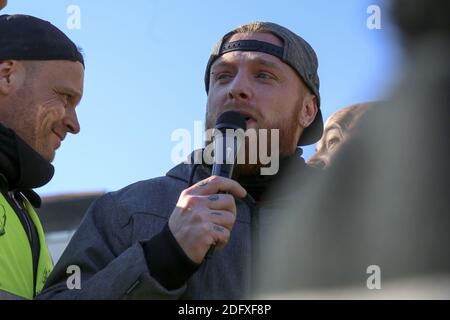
x=231 y=120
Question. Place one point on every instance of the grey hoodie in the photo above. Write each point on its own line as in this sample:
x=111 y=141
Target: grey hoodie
x=108 y=246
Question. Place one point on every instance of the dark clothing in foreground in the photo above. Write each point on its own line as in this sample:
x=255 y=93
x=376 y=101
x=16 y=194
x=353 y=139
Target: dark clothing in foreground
x=384 y=202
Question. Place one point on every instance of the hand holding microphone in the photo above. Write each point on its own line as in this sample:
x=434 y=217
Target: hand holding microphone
x=205 y=212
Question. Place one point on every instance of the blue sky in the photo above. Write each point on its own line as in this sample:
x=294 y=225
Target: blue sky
x=145 y=64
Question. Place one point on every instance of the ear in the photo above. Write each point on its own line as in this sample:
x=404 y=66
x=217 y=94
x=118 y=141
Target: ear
x=12 y=76
x=309 y=110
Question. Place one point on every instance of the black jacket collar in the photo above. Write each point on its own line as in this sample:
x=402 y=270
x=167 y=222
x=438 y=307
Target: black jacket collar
x=21 y=167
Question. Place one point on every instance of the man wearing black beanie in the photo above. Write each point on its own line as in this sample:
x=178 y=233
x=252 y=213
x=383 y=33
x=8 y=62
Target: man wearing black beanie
x=41 y=83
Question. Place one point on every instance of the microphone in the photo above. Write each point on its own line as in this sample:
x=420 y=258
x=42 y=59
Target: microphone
x=227 y=142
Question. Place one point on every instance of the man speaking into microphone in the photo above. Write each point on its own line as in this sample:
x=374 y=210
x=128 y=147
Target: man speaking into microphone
x=191 y=234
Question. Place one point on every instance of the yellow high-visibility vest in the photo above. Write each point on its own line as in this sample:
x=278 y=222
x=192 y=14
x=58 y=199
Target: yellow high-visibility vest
x=16 y=259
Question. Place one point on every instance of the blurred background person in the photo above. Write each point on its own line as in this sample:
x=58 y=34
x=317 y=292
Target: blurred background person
x=337 y=129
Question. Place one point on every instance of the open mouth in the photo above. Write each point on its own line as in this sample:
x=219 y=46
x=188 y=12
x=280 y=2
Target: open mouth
x=249 y=120
x=248 y=117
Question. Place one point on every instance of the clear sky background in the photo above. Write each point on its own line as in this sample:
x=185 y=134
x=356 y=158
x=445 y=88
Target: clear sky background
x=145 y=63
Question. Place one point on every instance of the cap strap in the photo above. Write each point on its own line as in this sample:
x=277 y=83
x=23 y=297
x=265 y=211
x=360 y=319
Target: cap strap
x=252 y=45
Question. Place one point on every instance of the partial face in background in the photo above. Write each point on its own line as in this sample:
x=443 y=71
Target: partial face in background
x=338 y=129
x=39 y=100
x=264 y=89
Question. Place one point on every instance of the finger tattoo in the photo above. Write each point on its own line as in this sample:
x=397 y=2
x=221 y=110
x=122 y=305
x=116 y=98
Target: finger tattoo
x=213 y=197
x=217 y=228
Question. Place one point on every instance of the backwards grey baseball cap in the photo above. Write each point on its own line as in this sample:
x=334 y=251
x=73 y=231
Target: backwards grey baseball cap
x=296 y=52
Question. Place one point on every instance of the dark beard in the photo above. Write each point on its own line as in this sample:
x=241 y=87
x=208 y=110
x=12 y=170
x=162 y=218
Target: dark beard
x=287 y=147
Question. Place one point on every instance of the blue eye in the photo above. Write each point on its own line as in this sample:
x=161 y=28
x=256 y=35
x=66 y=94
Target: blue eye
x=222 y=76
x=333 y=142
x=264 y=75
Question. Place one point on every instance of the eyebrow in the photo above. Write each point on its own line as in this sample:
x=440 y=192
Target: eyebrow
x=333 y=126
x=219 y=64
x=74 y=93
x=255 y=60
x=267 y=63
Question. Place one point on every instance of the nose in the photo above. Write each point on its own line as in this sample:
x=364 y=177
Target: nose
x=240 y=88
x=317 y=162
x=71 y=121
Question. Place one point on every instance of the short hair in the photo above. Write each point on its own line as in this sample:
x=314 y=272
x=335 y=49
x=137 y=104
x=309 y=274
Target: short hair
x=254 y=27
